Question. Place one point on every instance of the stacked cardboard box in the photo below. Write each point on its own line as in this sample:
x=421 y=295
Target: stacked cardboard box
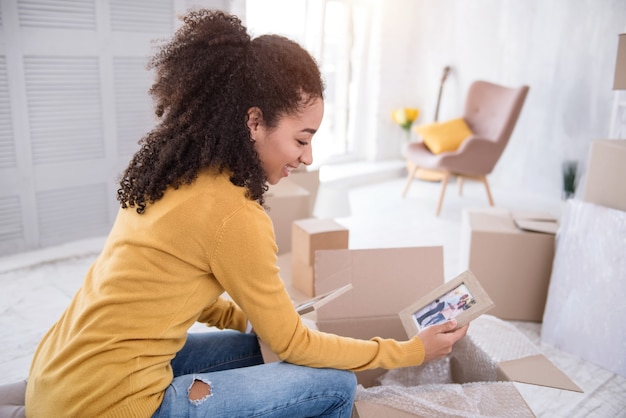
x=307 y=237
x=309 y=180
x=290 y=200
x=511 y=254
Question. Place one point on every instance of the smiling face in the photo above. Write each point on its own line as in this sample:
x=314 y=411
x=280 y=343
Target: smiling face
x=281 y=149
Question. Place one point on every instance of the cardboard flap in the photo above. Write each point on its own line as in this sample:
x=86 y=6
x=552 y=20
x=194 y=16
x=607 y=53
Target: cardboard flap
x=316 y=226
x=366 y=409
x=385 y=280
x=536 y=370
x=491 y=223
x=546 y=227
x=533 y=216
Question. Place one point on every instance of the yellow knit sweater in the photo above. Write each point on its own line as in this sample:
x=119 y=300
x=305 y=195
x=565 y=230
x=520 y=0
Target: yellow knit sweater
x=160 y=272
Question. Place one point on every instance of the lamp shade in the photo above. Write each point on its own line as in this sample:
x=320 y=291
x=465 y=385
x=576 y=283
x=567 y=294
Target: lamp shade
x=619 y=82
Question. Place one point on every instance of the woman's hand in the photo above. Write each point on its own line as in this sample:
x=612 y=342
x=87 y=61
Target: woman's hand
x=439 y=339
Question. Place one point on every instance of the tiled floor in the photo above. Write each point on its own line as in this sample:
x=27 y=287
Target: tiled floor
x=36 y=287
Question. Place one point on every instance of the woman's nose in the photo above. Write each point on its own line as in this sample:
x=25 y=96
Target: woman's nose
x=307 y=155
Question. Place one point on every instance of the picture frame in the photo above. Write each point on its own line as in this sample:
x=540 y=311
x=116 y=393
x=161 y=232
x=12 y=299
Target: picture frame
x=462 y=298
x=312 y=304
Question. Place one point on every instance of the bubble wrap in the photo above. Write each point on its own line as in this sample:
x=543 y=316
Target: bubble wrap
x=462 y=384
x=586 y=303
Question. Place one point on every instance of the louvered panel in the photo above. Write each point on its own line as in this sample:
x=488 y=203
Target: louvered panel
x=7 y=141
x=58 y=14
x=208 y=4
x=64 y=108
x=72 y=213
x=133 y=105
x=145 y=16
x=11 y=225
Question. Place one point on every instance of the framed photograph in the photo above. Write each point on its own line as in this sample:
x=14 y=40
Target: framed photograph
x=462 y=298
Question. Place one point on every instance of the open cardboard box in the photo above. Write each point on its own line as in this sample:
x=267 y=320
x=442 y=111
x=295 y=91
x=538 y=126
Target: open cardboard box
x=477 y=378
x=484 y=364
x=511 y=254
x=384 y=282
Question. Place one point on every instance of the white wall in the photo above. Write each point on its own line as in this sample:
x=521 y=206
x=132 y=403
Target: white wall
x=563 y=49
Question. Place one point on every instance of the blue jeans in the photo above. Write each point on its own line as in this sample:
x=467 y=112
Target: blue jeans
x=242 y=386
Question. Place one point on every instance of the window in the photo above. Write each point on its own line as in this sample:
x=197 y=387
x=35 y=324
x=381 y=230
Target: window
x=324 y=28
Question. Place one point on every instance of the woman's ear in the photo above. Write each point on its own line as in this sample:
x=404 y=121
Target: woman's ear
x=255 y=119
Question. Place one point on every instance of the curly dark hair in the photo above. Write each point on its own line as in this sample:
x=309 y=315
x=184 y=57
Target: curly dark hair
x=207 y=77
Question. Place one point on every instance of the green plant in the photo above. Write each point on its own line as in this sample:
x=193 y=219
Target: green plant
x=569 y=169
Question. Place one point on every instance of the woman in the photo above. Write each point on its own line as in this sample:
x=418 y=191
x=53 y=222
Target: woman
x=235 y=113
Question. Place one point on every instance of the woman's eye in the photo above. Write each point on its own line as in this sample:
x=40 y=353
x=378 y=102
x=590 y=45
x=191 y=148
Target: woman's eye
x=302 y=142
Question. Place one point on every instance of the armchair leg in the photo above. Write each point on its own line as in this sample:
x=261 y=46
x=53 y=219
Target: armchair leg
x=444 y=183
x=486 y=183
x=409 y=180
x=460 y=180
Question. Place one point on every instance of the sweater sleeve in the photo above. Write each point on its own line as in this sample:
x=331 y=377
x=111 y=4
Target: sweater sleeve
x=244 y=262
x=224 y=314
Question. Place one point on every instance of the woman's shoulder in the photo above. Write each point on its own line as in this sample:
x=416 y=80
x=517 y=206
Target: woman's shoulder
x=216 y=191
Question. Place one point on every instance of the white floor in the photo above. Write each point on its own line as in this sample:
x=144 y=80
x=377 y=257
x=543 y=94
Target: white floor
x=36 y=287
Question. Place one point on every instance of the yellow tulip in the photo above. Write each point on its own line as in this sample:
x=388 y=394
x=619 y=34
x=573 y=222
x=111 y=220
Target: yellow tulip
x=411 y=113
x=405 y=116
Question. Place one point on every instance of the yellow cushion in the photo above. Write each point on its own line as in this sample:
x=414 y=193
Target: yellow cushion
x=445 y=136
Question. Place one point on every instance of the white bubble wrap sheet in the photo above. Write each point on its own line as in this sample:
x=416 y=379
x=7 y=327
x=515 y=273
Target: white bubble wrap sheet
x=462 y=384
x=586 y=305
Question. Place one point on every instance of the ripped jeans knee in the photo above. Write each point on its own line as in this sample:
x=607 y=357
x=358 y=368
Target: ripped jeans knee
x=199 y=390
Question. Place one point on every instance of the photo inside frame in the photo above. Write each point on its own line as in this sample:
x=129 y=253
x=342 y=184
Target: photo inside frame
x=445 y=307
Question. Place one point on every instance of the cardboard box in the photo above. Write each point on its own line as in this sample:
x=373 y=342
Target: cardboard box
x=476 y=379
x=511 y=254
x=308 y=236
x=606 y=172
x=366 y=409
x=287 y=202
x=309 y=180
x=302 y=278
x=384 y=282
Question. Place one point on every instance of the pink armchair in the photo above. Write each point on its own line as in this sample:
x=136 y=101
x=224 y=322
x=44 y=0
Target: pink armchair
x=491 y=112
